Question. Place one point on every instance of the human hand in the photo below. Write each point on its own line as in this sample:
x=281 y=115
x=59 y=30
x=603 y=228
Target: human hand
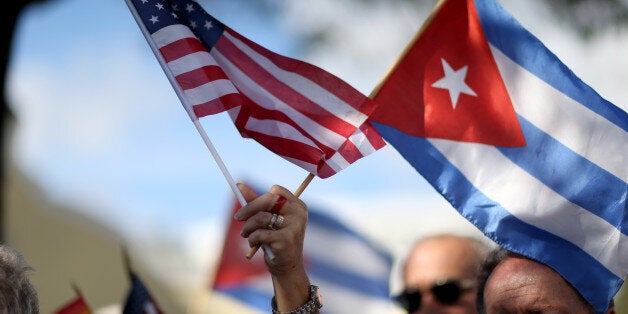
x=286 y=241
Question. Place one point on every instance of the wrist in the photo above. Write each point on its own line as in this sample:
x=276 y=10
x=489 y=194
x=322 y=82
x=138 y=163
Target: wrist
x=312 y=305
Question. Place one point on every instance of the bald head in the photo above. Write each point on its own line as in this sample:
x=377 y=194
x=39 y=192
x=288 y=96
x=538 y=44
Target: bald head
x=447 y=256
x=444 y=257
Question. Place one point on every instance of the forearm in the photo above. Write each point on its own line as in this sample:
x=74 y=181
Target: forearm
x=292 y=289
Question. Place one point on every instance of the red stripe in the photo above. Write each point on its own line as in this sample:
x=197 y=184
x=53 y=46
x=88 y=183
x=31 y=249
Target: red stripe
x=280 y=90
x=289 y=148
x=181 y=48
x=372 y=135
x=350 y=152
x=254 y=110
x=326 y=80
x=218 y=105
x=325 y=171
x=200 y=76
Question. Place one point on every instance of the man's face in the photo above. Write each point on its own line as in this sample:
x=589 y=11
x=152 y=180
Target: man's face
x=521 y=285
x=438 y=260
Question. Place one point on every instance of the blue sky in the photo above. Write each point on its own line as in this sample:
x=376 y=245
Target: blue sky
x=100 y=128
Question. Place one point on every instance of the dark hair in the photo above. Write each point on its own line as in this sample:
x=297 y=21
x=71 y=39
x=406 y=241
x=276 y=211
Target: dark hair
x=493 y=258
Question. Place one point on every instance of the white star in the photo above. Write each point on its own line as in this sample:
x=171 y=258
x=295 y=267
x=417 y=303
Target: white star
x=159 y=6
x=175 y=7
x=154 y=19
x=208 y=24
x=174 y=15
x=144 y=1
x=193 y=24
x=189 y=8
x=454 y=82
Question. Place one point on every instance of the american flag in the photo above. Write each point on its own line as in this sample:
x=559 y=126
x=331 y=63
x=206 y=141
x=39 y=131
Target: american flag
x=297 y=110
x=139 y=300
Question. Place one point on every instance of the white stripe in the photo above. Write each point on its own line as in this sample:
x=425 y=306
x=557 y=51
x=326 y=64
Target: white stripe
x=337 y=162
x=534 y=203
x=278 y=129
x=263 y=98
x=191 y=62
x=170 y=34
x=304 y=86
x=375 y=268
x=209 y=91
x=360 y=140
x=338 y=299
x=581 y=129
x=149 y=308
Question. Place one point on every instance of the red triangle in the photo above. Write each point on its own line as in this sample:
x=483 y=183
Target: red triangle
x=409 y=102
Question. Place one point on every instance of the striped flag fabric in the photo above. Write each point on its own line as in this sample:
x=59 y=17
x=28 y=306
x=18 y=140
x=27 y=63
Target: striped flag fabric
x=297 y=110
x=515 y=141
x=139 y=299
x=347 y=286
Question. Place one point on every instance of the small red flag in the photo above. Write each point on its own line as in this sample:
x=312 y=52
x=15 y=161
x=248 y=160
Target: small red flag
x=75 y=306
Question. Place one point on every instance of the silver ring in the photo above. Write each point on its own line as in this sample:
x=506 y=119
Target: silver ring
x=273 y=220
x=278 y=222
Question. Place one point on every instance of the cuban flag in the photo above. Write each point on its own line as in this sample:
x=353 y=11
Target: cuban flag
x=518 y=144
x=352 y=272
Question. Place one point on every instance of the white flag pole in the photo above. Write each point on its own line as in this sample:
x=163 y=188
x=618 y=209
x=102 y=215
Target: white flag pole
x=186 y=104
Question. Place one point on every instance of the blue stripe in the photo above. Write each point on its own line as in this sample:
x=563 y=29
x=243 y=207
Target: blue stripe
x=325 y=221
x=250 y=296
x=572 y=176
x=507 y=35
x=371 y=287
x=496 y=222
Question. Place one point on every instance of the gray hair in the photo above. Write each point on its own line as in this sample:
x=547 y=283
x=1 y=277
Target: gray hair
x=17 y=294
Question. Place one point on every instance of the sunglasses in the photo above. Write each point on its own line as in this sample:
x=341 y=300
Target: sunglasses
x=445 y=291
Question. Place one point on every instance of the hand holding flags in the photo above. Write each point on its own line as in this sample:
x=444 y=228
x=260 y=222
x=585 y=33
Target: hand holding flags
x=520 y=146
x=346 y=287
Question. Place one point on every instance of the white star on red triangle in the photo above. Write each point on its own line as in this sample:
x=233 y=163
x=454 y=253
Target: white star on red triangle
x=454 y=82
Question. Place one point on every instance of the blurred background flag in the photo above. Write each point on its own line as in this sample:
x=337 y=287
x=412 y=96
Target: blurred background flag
x=75 y=306
x=352 y=272
x=139 y=300
x=518 y=144
x=297 y=110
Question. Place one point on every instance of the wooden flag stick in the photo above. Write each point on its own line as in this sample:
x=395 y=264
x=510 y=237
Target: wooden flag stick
x=76 y=289
x=126 y=261
x=297 y=193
